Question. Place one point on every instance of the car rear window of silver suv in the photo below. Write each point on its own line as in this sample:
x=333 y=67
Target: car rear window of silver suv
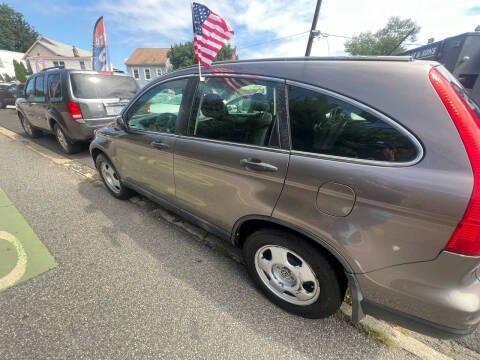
x=98 y=86
x=326 y=125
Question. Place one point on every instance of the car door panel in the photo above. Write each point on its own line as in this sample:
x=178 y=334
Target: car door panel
x=144 y=164
x=213 y=182
x=225 y=168
x=145 y=149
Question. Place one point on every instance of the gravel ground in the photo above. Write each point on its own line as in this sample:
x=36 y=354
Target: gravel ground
x=132 y=286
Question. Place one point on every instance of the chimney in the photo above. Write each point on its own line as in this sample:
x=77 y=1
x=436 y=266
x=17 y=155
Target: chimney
x=75 y=51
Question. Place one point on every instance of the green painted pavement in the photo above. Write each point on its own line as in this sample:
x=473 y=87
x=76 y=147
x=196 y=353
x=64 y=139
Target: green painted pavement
x=22 y=254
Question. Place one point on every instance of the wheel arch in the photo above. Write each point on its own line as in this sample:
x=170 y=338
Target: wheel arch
x=248 y=224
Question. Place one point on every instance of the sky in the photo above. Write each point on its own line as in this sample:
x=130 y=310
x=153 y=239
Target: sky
x=263 y=28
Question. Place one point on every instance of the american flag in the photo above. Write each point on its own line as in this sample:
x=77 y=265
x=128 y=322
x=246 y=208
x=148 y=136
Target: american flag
x=211 y=32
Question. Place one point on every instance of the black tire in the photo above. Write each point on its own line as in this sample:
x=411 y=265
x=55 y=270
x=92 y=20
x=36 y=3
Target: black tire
x=30 y=130
x=65 y=144
x=331 y=280
x=121 y=191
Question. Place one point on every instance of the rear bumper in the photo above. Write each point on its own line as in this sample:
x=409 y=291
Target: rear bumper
x=439 y=297
x=85 y=131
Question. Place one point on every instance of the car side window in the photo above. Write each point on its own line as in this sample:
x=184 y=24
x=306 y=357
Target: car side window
x=40 y=88
x=54 y=86
x=237 y=110
x=29 y=90
x=159 y=108
x=326 y=125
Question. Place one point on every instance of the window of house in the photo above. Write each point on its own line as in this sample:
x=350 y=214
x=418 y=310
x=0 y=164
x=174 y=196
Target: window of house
x=55 y=63
x=235 y=110
x=54 y=86
x=62 y=63
x=323 y=124
x=136 y=74
x=82 y=65
x=147 y=74
x=159 y=72
x=40 y=88
x=158 y=109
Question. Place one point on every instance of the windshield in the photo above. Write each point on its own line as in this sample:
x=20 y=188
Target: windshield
x=97 y=86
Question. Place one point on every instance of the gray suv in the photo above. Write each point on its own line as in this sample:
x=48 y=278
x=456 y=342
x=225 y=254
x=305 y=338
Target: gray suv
x=328 y=173
x=71 y=104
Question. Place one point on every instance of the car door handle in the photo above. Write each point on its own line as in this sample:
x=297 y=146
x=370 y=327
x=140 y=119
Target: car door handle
x=159 y=145
x=257 y=165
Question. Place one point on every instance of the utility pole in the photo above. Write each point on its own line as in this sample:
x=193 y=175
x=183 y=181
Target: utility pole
x=401 y=41
x=313 y=31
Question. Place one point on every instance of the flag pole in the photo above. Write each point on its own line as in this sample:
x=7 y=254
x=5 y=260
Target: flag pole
x=200 y=77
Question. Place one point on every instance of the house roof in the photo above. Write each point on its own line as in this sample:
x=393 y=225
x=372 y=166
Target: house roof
x=148 y=56
x=59 y=48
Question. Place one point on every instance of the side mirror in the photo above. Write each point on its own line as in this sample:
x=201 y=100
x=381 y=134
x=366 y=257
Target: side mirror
x=120 y=123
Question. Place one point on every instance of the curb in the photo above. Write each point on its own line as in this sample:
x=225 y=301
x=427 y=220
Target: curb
x=377 y=329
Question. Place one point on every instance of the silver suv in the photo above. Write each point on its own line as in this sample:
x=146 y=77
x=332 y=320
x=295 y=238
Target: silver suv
x=329 y=173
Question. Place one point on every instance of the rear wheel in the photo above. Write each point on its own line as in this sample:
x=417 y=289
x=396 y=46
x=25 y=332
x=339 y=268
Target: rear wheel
x=30 y=130
x=66 y=145
x=293 y=274
x=111 y=179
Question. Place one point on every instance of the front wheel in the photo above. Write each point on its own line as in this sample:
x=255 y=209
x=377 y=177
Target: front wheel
x=30 y=130
x=111 y=179
x=294 y=275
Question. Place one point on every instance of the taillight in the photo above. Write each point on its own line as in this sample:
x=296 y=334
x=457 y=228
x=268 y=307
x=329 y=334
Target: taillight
x=466 y=238
x=75 y=111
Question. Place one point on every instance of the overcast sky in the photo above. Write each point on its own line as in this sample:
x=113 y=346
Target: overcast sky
x=257 y=23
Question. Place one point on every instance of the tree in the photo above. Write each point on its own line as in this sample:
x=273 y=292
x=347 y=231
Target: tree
x=15 y=33
x=181 y=55
x=20 y=71
x=8 y=78
x=386 y=41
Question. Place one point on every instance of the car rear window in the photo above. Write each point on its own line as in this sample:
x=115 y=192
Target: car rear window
x=97 y=86
x=326 y=125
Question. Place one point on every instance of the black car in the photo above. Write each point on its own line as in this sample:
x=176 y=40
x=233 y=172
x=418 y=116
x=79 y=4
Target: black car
x=71 y=104
x=8 y=94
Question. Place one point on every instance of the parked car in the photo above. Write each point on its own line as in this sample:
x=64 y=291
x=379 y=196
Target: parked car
x=71 y=104
x=340 y=172
x=8 y=94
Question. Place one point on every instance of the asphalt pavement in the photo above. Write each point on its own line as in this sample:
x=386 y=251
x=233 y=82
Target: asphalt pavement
x=130 y=285
x=9 y=120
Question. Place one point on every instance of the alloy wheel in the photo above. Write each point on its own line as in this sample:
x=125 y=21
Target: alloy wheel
x=62 y=140
x=111 y=178
x=26 y=126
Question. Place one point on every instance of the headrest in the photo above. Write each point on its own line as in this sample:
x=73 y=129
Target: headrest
x=213 y=106
x=259 y=103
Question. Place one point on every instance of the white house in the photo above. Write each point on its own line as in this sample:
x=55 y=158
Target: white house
x=146 y=64
x=46 y=53
x=6 y=61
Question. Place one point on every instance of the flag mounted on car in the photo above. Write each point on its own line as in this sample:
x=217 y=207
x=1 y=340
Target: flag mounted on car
x=210 y=31
x=100 y=57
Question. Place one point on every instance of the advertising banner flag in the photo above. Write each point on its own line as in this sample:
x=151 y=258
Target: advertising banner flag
x=100 y=57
